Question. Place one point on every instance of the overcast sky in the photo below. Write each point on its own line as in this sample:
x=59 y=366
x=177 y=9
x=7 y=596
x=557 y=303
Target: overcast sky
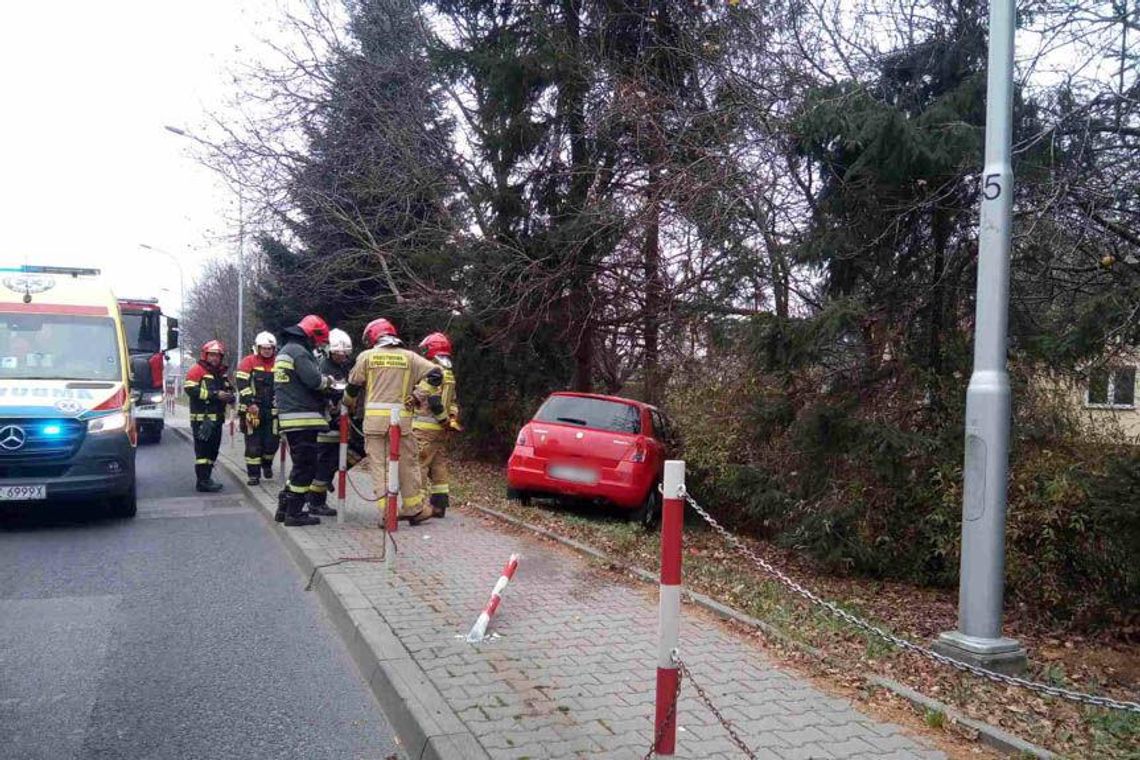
x=86 y=170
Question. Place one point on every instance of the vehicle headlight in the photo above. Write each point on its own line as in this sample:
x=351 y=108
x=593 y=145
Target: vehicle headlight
x=154 y=398
x=115 y=422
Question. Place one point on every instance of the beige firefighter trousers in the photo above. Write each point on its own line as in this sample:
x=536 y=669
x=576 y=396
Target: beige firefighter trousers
x=411 y=490
x=433 y=460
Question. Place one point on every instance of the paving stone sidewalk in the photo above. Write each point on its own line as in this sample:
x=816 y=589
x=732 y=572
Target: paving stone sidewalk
x=570 y=671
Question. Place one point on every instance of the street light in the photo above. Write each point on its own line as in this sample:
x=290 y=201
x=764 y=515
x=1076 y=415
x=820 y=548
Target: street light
x=181 y=277
x=978 y=639
x=241 y=236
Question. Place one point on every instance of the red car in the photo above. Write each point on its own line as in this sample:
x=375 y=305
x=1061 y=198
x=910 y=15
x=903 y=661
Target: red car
x=595 y=448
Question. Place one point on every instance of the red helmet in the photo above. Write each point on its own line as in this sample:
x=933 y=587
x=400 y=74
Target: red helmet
x=316 y=328
x=212 y=347
x=436 y=344
x=377 y=329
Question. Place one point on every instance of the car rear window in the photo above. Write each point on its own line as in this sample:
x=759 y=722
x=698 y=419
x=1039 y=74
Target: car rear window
x=591 y=413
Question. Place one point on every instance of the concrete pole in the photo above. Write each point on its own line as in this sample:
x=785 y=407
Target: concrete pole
x=978 y=639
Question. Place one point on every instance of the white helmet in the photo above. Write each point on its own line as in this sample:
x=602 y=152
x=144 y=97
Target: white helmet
x=264 y=339
x=339 y=341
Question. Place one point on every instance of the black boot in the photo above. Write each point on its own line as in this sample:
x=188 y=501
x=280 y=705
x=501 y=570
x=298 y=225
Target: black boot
x=206 y=484
x=318 y=505
x=254 y=473
x=439 y=504
x=279 y=515
x=267 y=469
x=294 y=516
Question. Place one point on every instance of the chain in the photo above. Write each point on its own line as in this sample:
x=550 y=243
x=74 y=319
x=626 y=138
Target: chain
x=668 y=716
x=901 y=643
x=725 y=722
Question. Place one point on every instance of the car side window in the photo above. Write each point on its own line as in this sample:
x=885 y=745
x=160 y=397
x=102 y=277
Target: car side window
x=660 y=431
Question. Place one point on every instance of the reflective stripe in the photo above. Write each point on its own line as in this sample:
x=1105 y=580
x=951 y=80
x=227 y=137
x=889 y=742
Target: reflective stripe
x=413 y=500
x=241 y=375
x=284 y=361
x=246 y=391
x=426 y=423
x=203 y=392
x=306 y=422
x=443 y=488
x=301 y=416
x=202 y=417
x=382 y=405
x=296 y=489
x=203 y=461
x=386 y=413
x=253 y=460
x=318 y=487
x=333 y=437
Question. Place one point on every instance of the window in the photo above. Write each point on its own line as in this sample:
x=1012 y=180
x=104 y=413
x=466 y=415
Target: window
x=51 y=347
x=1113 y=387
x=596 y=413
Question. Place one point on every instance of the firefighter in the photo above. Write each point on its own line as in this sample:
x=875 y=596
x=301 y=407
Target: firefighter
x=436 y=417
x=209 y=391
x=335 y=364
x=300 y=393
x=389 y=376
x=257 y=415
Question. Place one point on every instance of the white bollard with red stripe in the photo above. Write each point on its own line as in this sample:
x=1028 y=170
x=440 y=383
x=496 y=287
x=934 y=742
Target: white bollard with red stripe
x=342 y=464
x=479 y=630
x=669 y=610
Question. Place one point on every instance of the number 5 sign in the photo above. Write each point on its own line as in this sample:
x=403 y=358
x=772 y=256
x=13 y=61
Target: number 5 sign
x=991 y=187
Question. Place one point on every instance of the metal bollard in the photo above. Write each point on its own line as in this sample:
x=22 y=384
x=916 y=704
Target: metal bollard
x=342 y=465
x=669 y=609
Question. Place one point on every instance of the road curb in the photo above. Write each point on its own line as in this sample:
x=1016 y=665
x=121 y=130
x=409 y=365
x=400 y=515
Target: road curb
x=991 y=736
x=427 y=726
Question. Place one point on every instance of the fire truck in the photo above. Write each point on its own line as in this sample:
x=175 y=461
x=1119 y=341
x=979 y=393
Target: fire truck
x=143 y=322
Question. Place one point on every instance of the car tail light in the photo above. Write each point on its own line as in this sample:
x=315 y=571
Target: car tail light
x=638 y=454
x=523 y=439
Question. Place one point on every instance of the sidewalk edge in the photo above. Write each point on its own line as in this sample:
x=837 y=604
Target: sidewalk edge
x=989 y=735
x=427 y=726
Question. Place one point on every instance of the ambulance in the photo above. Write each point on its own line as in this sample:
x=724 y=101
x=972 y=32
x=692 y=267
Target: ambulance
x=67 y=429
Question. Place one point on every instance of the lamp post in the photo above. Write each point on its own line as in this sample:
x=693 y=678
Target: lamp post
x=981 y=572
x=181 y=277
x=241 y=239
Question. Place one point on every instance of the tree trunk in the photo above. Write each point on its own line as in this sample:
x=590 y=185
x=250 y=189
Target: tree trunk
x=651 y=318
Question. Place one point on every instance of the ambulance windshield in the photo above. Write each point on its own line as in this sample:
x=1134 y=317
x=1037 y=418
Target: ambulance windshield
x=58 y=347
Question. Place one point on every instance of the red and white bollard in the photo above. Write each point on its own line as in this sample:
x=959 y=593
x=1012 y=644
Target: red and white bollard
x=669 y=609
x=342 y=465
x=479 y=630
x=392 y=508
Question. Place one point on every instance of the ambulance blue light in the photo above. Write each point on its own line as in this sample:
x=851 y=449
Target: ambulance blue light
x=51 y=430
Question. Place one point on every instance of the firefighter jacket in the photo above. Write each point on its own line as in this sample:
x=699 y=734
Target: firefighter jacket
x=255 y=383
x=299 y=386
x=203 y=384
x=338 y=372
x=388 y=377
x=437 y=409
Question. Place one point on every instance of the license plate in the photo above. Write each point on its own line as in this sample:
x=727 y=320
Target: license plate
x=573 y=474
x=22 y=493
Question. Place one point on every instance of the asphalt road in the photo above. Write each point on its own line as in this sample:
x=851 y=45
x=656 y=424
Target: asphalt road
x=183 y=633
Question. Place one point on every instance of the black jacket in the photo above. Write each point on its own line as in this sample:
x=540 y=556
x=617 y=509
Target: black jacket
x=299 y=386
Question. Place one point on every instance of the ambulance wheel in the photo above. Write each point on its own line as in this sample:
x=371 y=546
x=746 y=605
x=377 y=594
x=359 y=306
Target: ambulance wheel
x=127 y=505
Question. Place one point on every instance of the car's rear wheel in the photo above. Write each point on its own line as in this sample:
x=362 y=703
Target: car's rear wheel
x=522 y=497
x=650 y=510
